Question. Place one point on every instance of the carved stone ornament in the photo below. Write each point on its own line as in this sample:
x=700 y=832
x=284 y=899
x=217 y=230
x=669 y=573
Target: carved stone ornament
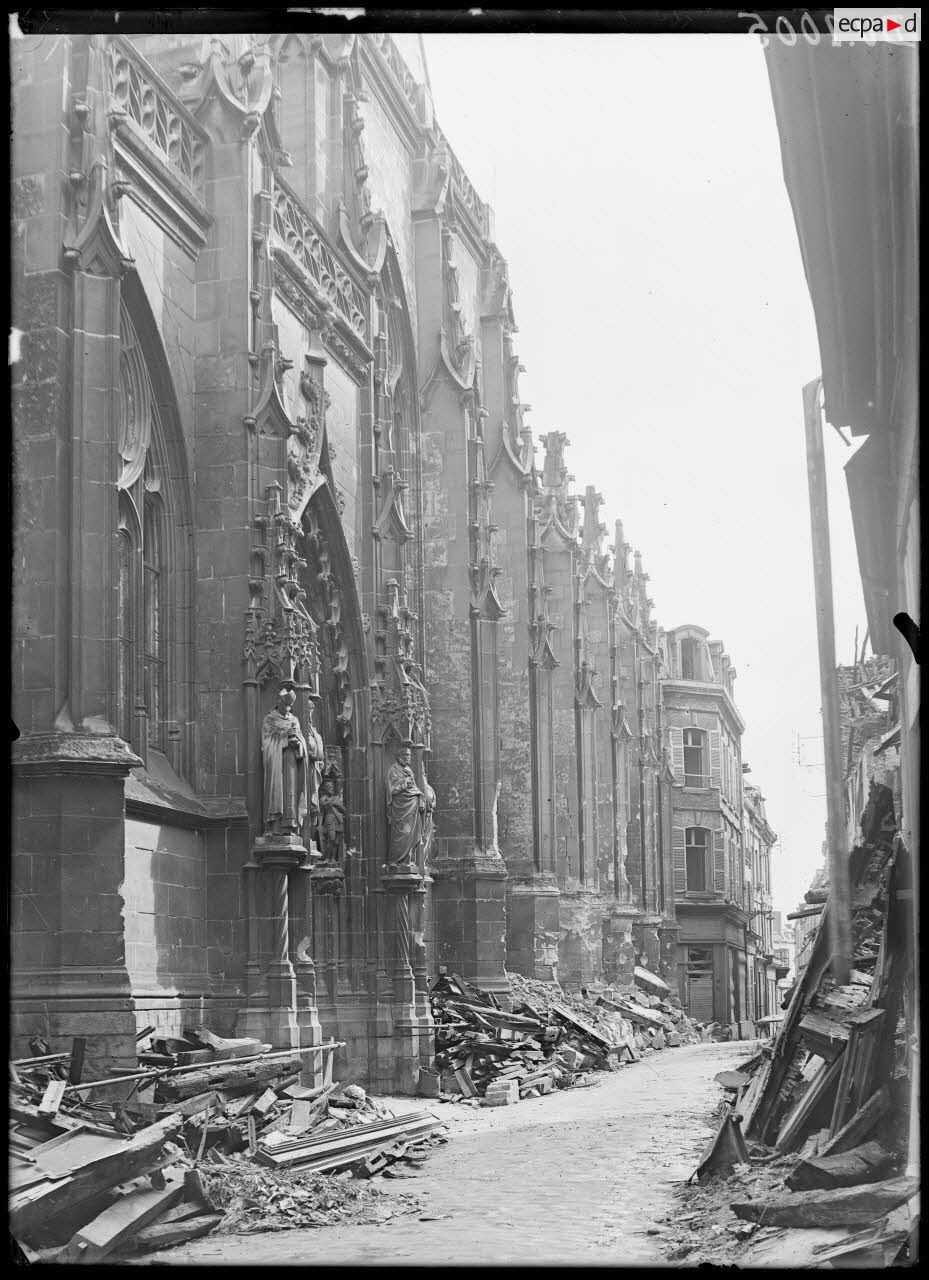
x=280 y=634
x=135 y=404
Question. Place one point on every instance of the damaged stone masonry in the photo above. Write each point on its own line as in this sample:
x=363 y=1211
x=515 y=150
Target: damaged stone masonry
x=324 y=681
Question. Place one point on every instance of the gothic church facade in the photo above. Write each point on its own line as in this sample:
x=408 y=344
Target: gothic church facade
x=269 y=438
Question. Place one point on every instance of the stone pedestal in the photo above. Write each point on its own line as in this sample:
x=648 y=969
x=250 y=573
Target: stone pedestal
x=619 y=945
x=470 y=911
x=272 y=1010
x=398 y=1057
x=533 y=927
x=68 y=946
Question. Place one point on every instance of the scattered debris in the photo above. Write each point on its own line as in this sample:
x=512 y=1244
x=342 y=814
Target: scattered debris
x=824 y=1106
x=91 y=1180
x=490 y=1056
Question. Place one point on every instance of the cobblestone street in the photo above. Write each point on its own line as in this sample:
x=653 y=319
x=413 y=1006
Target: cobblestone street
x=576 y=1177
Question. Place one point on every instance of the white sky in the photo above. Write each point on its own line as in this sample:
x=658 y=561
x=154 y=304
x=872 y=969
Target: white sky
x=666 y=326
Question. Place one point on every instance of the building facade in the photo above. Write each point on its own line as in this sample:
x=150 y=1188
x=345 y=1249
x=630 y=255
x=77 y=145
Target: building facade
x=712 y=881
x=758 y=841
x=322 y=679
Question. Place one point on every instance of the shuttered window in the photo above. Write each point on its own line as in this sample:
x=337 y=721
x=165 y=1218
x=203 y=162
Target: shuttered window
x=715 y=760
x=680 y=860
x=695 y=852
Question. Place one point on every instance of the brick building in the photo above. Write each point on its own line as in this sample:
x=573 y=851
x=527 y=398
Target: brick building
x=269 y=440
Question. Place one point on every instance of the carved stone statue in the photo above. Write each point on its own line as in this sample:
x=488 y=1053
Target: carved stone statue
x=428 y=818
x=315 y=753
x=405 y=808
x=332 y=818
x=284 y=754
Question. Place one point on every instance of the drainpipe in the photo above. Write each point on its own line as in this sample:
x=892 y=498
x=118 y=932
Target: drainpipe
x=659 y=804
x=642 y=854
x=836 y=831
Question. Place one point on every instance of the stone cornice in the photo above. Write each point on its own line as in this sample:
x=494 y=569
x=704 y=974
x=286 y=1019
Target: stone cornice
x=74 y=753
x=688 y=690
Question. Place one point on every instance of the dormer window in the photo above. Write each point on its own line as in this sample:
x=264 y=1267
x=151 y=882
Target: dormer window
x=691 y=663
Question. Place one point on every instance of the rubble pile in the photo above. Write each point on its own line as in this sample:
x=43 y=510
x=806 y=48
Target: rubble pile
x=491 y=1056
x=815 y=1125
x=227 y=1142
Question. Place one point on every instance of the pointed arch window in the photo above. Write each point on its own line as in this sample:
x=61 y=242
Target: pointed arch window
x=153 y=648
x=125 y=631
x=152 y=654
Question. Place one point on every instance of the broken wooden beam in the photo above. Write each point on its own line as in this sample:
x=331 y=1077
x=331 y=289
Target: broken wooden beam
x=868 y=1163
x=841 y=1207
x=860 y=1125
x=161 y=1235
x=798 y=1123
x=121 y=1221
x=123 y=1159
x=239 y=1073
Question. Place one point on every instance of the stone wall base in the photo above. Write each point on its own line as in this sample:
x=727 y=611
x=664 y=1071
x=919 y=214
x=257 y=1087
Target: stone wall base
x=532 y=929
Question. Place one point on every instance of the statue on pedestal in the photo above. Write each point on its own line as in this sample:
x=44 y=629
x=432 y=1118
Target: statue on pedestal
x=315 y=754
x=332 y=817
x=405 y=808
x=428 y=817
x=284 y=755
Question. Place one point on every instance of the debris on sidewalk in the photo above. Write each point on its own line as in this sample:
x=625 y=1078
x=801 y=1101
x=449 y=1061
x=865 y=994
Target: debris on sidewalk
x=179 y=1150
x=491 y=1056
x=824 y=1108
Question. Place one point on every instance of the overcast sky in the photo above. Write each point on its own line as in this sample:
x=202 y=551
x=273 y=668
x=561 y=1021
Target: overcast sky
x=666 y=327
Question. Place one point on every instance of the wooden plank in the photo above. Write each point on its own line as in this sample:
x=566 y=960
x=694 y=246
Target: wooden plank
x=786 y=1044
x=45 y=1057
x=861 y=1124
x=349 y=1154
x=51 y=1098
x=302 y=1151
x=855 y=1080
x=161 y=1235
x=841 y=1207
x=823 y=1035
x=796 y=1126
x=122 y=1220
x=191 y=1106
x=265 y=1102
x=31 y=1209
x=465 y=1083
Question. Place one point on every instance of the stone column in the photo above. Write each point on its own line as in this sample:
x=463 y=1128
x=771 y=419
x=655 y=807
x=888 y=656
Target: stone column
x=401 y=892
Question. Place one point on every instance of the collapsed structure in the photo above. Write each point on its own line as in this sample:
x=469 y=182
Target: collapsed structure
x=322 y=683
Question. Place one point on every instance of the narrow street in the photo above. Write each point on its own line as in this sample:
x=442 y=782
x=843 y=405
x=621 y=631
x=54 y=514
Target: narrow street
x=579 y=1177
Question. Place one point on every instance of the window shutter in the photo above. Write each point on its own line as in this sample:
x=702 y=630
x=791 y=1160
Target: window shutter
x=714 y=759
x=680 y=856
x=677 y=752
x=718 y=860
